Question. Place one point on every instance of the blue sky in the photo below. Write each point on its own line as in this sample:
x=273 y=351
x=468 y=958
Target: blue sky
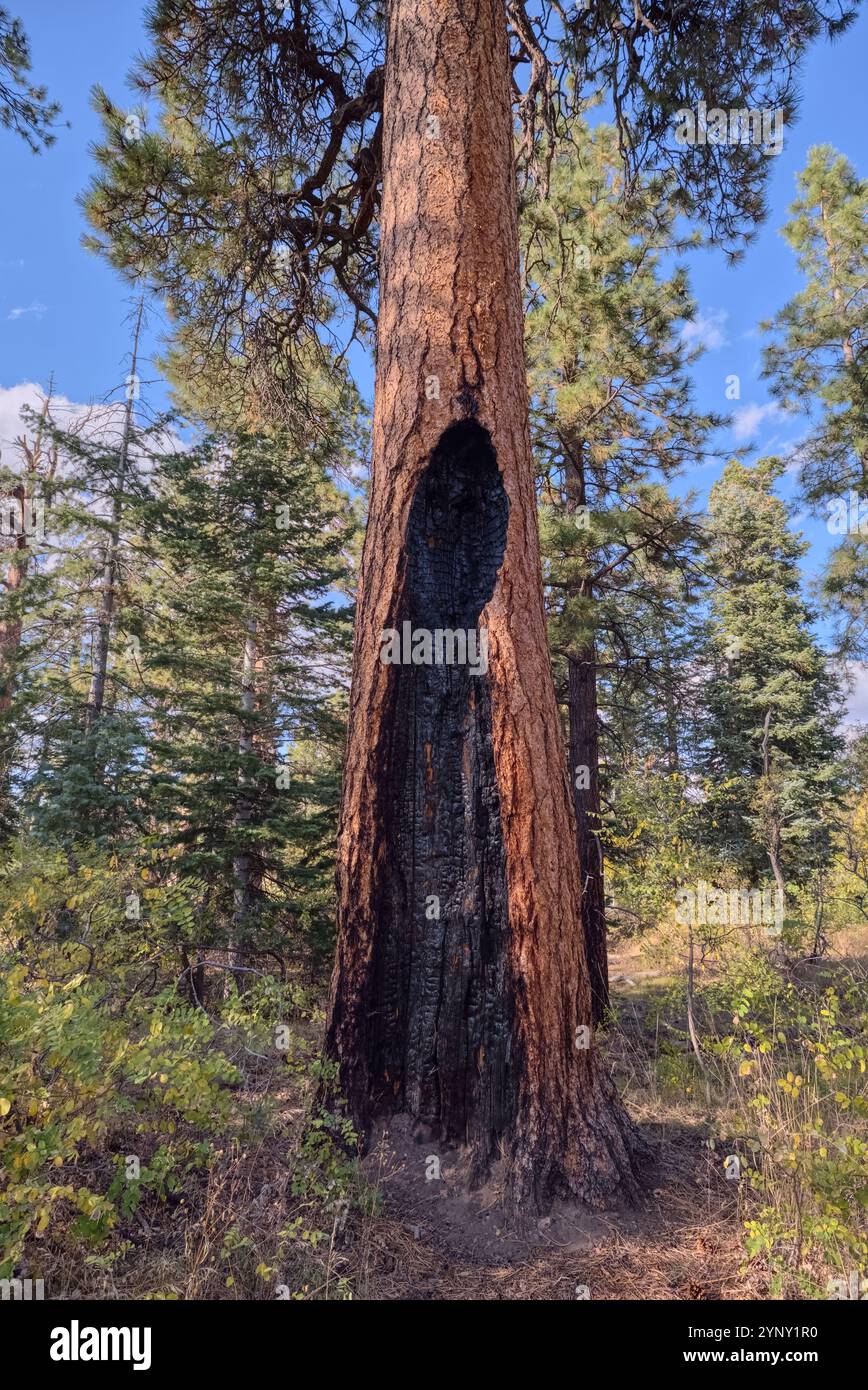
x=63 y=311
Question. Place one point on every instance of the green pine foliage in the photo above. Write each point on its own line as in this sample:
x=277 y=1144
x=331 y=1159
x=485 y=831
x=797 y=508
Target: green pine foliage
x=765 y=670
x=816 y=365
x=248 y=537
x=613 y=422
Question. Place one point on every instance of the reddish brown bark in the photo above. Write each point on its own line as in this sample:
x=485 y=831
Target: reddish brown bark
x=457 y=782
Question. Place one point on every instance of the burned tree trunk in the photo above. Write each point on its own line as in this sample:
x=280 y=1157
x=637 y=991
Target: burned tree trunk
x=461 y=990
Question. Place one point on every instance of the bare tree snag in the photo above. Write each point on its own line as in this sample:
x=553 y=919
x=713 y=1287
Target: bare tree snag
x=455 y=785
x=108 y=598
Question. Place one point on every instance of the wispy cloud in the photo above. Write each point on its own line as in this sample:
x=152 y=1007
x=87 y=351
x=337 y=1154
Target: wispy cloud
x=34 y=308
x=707 y=330
x=748 y=418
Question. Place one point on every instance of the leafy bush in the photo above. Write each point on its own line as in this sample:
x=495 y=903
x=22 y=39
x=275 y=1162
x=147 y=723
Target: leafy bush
x=74 y=1076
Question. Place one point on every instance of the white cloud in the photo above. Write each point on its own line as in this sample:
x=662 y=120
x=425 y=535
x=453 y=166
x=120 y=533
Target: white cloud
x=34 y=308
x=706 y=330
x=748 y=418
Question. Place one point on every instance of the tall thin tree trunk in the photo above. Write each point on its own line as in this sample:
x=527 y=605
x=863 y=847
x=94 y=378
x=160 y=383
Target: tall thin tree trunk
x=773 y=828
x=461 y=988
x=242 y=864
x=584 y=768
x=585 y=773
x=105 y=618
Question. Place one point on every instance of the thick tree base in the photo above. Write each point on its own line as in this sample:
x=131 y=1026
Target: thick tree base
x=596 y=1157
x=445 y=1186
x=600 y=1160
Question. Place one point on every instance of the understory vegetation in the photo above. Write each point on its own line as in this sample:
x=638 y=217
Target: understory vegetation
x=157 y=1148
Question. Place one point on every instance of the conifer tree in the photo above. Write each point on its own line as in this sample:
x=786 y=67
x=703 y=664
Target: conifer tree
x=25 y=491
x=83 y=634
x=818 y=362
x=244 y=654
x=68 y=769
x=771 y=701
x=24 y=104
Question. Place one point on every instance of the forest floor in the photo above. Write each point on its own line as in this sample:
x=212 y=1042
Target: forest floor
x=684 y=1243
x=267 y=1219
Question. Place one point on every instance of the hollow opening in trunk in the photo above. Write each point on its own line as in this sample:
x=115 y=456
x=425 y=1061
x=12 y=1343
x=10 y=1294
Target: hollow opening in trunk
x=456 y=535
x=443 y=1006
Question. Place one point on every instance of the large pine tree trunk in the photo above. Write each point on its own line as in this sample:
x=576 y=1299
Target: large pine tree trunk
x=455 y=797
